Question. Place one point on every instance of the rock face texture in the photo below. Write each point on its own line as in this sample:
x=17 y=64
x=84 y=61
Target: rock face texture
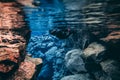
x=102 y=19
x=14 y=35
x=77 y=77
x=95 y=51
x=74 y=62
x=28 y=69
x=101 y=56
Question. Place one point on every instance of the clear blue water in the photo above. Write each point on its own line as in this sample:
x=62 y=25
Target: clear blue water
x=42 y=44
x=51 y=13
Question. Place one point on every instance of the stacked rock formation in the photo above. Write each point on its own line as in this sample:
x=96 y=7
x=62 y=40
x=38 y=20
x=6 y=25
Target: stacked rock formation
x=14 y=36
x=101 y=56
x=102 y=19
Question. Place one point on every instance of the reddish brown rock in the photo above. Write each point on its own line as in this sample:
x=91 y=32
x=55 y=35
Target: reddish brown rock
x=14 y=35
x=10 y=16
x=114 y=37
x=25 y=71
x=28 y=69
x=27 y=2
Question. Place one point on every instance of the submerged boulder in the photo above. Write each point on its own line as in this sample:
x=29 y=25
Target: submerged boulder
x=77 y=77
x=28 y=69
x=96 y=51
x=93 y=55
x=112 y=68
x=74 y=62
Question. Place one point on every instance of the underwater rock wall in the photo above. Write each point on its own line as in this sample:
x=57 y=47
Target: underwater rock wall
x=13 y=39
x=102 y=19
x=14 y=36
x=101 y=57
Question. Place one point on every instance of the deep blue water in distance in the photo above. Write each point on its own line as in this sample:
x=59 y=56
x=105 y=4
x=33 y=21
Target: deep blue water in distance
x=43 y=45
x=51 y=13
